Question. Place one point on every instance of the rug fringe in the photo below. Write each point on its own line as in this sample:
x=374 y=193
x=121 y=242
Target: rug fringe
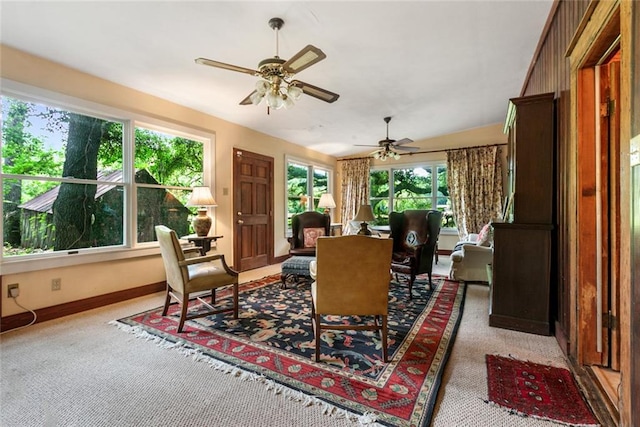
x=525 y=415
x=368 y=418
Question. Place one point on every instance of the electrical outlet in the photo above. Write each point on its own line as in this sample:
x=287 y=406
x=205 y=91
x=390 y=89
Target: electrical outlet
x=13 y=290
x=56 y=284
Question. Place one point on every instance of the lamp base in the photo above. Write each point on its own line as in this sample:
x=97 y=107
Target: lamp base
x=364 y=229
x=202 y=223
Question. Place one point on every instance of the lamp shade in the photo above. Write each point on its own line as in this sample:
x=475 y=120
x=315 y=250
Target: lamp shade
x=326 y=201
x=365 y=213
x=201 y=196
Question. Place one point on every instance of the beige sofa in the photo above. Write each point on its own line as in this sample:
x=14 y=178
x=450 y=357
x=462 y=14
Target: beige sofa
x=470 y=258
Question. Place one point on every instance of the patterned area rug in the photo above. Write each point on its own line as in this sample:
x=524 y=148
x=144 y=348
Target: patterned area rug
x=273 y=342
x=538 y=391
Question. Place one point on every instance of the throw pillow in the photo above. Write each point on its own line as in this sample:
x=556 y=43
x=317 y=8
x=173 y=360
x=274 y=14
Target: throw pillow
x=484 y=237
x=311 y=236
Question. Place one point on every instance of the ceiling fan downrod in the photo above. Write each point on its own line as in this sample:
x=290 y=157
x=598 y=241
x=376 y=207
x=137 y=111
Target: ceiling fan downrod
x=276 y=24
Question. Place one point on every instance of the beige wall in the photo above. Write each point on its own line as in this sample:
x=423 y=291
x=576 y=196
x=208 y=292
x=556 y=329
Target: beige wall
x=104 y=277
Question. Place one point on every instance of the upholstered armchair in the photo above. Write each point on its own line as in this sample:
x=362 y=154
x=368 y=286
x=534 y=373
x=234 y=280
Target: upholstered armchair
x=469 y=258
x=306 y=227
x=188 y=273
x=415 y=236
x=352 y=277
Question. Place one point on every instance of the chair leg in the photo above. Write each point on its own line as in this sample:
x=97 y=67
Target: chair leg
x=167 y=302
x=317 y=332
x=213 y=296
x=412 y=277
x=430 y=283
x=383 y=331
x=235 y=300
x=183 y=311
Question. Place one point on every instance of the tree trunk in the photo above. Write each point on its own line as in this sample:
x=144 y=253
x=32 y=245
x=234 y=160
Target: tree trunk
x=74 y=208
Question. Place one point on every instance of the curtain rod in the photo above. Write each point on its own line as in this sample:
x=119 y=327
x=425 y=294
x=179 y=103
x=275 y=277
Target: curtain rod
x=429 y=151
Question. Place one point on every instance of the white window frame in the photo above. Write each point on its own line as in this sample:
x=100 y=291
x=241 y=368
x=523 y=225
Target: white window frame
x=130 y=248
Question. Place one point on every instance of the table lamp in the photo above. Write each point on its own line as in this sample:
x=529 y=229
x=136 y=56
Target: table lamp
x=326 y=202
x=365 y=213
x=201 y=197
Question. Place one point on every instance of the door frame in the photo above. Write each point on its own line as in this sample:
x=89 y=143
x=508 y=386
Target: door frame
x=598 y=30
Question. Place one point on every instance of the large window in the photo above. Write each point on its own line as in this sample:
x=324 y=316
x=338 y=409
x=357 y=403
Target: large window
x=305 y=184
x=419 y=187
x=69 y=184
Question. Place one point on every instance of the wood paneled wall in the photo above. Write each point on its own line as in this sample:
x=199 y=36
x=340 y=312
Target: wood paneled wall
x=550 y=72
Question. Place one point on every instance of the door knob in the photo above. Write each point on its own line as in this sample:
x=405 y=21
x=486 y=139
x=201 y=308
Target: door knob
x=240 y=221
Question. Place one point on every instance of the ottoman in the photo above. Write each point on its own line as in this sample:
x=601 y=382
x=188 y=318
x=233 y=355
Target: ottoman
x=296 y=269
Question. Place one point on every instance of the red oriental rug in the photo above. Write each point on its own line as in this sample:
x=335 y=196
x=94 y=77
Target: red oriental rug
x=538 y=391
x=273 y=342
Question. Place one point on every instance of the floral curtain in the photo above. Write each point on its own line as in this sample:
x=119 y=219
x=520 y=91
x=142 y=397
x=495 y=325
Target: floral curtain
x=474 y=177
x=354 y=175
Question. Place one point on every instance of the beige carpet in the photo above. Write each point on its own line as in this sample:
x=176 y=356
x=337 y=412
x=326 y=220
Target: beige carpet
x=81 y=371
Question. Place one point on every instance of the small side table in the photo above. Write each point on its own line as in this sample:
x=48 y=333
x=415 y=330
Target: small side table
x=203 y=242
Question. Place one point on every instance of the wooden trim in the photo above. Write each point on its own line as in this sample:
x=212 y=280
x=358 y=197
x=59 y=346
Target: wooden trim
x=583 y=24
x=280 y=259
x=49 y=313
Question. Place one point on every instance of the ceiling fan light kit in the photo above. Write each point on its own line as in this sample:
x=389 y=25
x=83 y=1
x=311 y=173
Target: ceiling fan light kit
x=275 y=84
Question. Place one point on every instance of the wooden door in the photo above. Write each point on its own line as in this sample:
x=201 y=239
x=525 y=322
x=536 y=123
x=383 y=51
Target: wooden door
x=253 y=210
x=610 y=155
x=599 y=213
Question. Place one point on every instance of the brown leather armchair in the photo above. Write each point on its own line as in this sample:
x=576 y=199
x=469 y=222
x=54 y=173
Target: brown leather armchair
x=187 y=274
x=415 y=236
x=306 y=227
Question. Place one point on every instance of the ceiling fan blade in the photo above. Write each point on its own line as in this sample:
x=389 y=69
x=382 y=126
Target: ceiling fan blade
x=217 y=64
x=403 y=141
x=364 y=145
x=247 y=100
x=402 y=148
x=316 y=92
x=308 y=56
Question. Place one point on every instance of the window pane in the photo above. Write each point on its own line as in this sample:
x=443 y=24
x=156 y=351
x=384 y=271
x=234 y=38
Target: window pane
x=297 y=188
x=320 y=185
x=168 y=160
x=400 y=205
x=379 y=184
x=411 y=182
x=67 y=216
x=161 y=206
x=380 y=211
x=48 y=147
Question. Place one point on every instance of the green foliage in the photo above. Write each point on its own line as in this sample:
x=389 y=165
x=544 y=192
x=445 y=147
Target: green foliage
x=172 y=161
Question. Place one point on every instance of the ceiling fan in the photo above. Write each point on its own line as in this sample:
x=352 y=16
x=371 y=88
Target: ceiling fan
x=390 y=147
x=275 y=74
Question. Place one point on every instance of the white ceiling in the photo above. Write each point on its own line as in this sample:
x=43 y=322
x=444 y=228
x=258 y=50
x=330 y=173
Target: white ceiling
x=436 y=67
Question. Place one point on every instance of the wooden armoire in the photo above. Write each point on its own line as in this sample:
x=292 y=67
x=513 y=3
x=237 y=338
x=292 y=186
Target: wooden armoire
x=522 y=291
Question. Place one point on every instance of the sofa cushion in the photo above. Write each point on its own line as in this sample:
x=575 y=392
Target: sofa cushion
x=484 y=237
x=311 y=236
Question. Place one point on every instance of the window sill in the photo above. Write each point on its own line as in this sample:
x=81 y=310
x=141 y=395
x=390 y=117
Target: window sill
x=64 y=259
